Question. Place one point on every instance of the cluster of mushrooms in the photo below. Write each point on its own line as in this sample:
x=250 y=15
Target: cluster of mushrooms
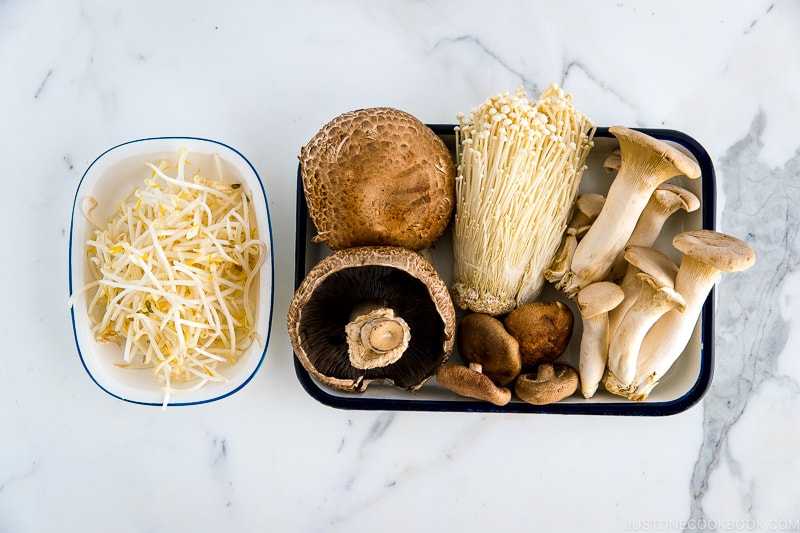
x=381 y=189
x=379 y=186
x=639 y=309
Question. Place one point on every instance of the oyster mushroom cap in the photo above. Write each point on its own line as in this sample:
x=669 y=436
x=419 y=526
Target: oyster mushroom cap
x=472 y=383
x=378 y=176
x=372 y=313
x=640 y=259
x=484 y=340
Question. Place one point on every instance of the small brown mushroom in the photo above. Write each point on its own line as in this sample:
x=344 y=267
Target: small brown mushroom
x=543 y=330
x=372 y=313
x=550 y=384
x=472 y=383
x=484 y=340
x=378 y=176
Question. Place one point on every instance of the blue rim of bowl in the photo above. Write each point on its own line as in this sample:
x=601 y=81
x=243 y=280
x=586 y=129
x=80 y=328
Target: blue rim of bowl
x=271 y=258
x=621 y=408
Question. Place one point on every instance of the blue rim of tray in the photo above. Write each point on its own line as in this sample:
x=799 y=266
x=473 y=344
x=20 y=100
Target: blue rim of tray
x=621 y=408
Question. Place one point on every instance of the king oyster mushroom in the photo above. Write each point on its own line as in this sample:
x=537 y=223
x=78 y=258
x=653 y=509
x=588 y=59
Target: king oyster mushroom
x=705 y=256
x=372 y=313
x=378 y=176
x=646 y=162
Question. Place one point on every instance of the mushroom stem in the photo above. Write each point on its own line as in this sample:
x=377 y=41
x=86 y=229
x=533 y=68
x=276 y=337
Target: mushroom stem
x=639 y=259
x=376 y=338
x=563 y=258
x=665 y=200
x=646 y=163
x=655 y=298
x=706 y=254
x=594 y=302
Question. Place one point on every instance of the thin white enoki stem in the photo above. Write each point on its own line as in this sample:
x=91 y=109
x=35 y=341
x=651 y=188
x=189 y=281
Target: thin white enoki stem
x=520 y=166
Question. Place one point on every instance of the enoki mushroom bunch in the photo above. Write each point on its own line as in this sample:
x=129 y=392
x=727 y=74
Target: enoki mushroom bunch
x=173 y=274
x=519 y=169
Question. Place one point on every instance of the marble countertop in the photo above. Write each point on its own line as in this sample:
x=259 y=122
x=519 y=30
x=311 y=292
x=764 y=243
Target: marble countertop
x=263 y=77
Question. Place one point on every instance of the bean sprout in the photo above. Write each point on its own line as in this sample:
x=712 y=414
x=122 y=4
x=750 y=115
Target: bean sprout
x=174 y=270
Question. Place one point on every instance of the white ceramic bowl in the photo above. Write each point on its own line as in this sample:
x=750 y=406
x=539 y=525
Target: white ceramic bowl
x=112 y=177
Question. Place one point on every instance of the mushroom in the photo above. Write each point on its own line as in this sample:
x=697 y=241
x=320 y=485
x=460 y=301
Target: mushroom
x=646 y=163
x=543 y=331
x=372 y=313
x=594 y=303
x=705 y=255
x=613 y=161
x=472 y=383
x=563 y=258
x=484 y=340
x=550 y=384
x=656 y=297
x=587 y=209
x=520 y=163
x=378 y=176
x=665 y=200
x=640 y=259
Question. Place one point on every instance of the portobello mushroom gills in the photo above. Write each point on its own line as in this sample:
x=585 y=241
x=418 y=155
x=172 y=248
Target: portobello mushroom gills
x=373 y=313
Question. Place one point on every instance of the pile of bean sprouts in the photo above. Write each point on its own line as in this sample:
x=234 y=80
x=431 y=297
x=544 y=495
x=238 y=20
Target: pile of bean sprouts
x=175 y=271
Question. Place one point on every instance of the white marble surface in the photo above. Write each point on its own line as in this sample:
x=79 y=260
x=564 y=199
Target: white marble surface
x=79 y=77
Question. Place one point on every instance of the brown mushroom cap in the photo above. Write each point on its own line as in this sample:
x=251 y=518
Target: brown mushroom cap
x=472 y=383
x=385 y=278
x=378 y=176
x=724 y=252
x=484 y=340
x=543 y=331
x=551 y=383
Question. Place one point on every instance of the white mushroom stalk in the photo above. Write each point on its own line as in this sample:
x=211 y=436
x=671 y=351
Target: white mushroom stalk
x=639 y=258
x=594 y=303
x=706 y=254
x=519 y=168
x=173 y=270
x=645 y=163
x=656 y=297
x=376 y=338
x=665 y=200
